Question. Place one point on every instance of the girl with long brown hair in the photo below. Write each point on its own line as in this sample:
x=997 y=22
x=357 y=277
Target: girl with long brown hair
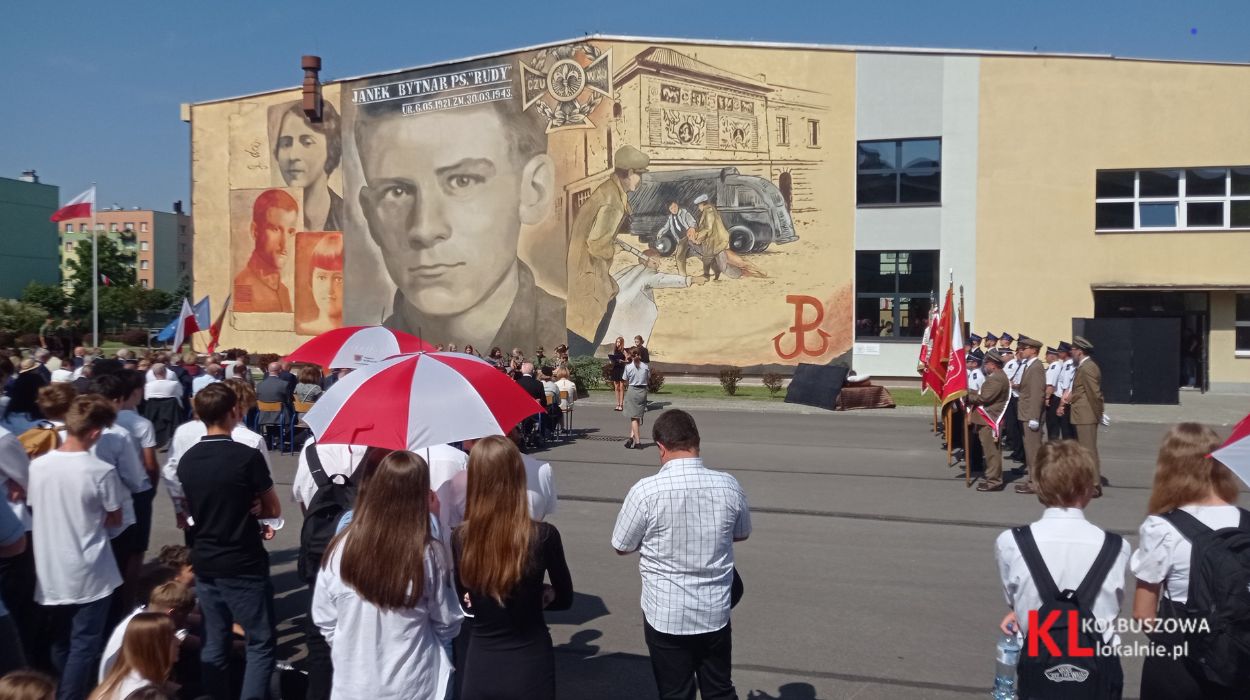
x=1189 y=487
x=618 y=359
x=501 y=559
x=383 y=598
x=149 y=650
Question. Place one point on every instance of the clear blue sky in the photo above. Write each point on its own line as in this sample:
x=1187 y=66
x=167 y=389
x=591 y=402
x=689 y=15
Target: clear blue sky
x=90 y=90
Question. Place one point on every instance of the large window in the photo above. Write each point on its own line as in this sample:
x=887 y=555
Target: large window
x=901 y=172
x=783 y=131
x=813 y=133
x=1175 y=198
x=894 y=291
x=1243 y=325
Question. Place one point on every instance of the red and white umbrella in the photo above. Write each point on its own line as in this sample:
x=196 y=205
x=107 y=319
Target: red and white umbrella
x=415 y=401
x=354 y=347
x=1235 y=452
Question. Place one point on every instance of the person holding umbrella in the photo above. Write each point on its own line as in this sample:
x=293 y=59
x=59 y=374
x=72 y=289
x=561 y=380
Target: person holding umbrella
x=637 y=375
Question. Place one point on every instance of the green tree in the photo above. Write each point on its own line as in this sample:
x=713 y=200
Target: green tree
x=20 y=317
x=49 y=297
x=114 y=263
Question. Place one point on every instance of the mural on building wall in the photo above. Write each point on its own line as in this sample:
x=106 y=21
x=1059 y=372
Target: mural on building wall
x=571 y=194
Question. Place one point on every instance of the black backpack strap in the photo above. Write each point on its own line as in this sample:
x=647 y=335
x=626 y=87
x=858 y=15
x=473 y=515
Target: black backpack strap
x=1245 y=519
x=1087 y=592
x=1045 y=583
x=314 y=465
x=1189 y=526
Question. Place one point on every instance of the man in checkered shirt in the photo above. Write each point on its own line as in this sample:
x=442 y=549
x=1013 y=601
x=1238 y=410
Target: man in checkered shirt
x=684 y=521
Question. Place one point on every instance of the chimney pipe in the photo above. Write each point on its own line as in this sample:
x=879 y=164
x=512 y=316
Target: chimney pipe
x=29 y=176
x=312 y=87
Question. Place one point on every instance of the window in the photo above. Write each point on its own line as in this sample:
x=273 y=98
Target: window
x=99 y=227
x=143 y=245
x=813 y=133
x=903 y=172
x=894 y=291
x=143 y=283
x=112 y=228
x=69 y=245
x=143 y=264
x=783 y=131
x=1173 y=198
x=1242 y=326
x=69 y=228
x=128 y=226
x=143 y=226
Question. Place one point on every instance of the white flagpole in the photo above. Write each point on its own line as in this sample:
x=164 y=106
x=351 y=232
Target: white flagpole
x=95 y=276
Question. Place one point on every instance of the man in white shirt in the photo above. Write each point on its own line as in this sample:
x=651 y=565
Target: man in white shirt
x=1053 y=369
x=684 y=522
x=74 y=497
x=1067 y=375
x=1069 y=544
x=161 y=386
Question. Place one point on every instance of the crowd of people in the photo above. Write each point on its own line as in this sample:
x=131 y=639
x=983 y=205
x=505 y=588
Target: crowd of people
x=87 y=613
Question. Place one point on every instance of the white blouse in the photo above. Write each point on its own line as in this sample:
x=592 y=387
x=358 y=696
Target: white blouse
x=383 y=654
x=1163 y=552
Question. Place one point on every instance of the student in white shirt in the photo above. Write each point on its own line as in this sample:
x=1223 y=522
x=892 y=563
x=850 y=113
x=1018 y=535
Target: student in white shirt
x=388 y=609
x=173 y=598
x=1069 y=544
x=74 y=497
x=149 y=650
x=1188 y=485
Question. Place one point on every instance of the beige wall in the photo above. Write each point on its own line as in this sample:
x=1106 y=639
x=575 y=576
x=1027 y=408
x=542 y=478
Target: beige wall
x=1046 y=126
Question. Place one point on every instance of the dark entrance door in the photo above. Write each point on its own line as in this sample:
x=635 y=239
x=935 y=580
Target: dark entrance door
x=1139 y=357
x=1190 y=309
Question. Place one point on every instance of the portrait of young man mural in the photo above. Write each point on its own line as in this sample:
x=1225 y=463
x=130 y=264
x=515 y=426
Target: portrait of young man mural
x=451 y=169
x=263 y=226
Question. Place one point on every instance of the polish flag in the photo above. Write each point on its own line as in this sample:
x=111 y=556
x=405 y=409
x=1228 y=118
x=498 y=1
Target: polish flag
x=77 y=208
x=955 y=386
x=186 y=325
x=214 y=331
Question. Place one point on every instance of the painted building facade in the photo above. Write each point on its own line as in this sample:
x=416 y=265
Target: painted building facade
x=735 y=204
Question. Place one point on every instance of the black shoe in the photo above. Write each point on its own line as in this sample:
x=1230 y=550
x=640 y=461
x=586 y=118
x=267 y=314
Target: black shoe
x=629 y=443
x=638 y=445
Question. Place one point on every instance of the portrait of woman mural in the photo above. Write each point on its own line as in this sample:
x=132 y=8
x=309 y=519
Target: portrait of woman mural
x=306 y=154
x=319 y=298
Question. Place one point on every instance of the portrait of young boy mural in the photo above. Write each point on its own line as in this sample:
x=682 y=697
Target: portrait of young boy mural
x=568 y=194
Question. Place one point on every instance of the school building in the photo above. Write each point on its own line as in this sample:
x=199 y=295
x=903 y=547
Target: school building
x=1066 y=194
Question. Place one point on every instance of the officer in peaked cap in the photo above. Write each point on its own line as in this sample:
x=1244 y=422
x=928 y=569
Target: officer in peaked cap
x=991 y=341
x=1005 y=340
x=1067 y=372
x=1054 y=367
x=1012 y=439
x=1085 y=401
x=990 y=400
x=1030 y=406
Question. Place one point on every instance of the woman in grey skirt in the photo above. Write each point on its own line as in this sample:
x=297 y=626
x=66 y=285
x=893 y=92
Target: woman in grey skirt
x=637 y=375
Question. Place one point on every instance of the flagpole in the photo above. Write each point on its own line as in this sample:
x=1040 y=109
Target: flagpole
x=967 y=430
x=95 y=276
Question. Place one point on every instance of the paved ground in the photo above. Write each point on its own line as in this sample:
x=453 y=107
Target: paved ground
x=870 y=573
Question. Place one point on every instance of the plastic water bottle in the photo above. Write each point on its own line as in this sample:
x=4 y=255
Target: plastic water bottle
x=1005 y=667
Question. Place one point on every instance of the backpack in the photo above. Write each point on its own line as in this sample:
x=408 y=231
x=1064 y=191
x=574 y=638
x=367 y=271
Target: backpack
x=1219 y=592
x=1064 y=676
x=41 y=439
x=334 y=496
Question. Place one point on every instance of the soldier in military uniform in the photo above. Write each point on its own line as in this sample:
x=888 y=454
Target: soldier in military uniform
x=1012 y=439
x=992 y=399
x=1085 y=401
x=1031 y=406
x=592 y=244
x=976 y=379
x=990 y=342
x=1067 y=372
x=1054 y=367
x=708 y=240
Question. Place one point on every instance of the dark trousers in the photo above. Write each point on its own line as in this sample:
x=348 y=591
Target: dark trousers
x=319 y=665
x=678 y=661
x=77 y=642
x=1053 y=429
x=17 y=586
x=12 y=655
x=1013 y=440
x=247 y=600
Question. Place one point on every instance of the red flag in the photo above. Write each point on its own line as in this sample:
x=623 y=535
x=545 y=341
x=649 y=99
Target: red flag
x=935 y=368
x=955 y=386
x=77 y=208
x=214 y=331
x=106 y=280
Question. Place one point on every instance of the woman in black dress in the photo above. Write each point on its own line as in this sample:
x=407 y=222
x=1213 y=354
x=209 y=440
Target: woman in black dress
x=619 y=359
x=501 y=559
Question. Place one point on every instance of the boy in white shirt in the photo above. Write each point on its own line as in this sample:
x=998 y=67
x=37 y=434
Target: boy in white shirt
x=74 y=497
x=1068 y=543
